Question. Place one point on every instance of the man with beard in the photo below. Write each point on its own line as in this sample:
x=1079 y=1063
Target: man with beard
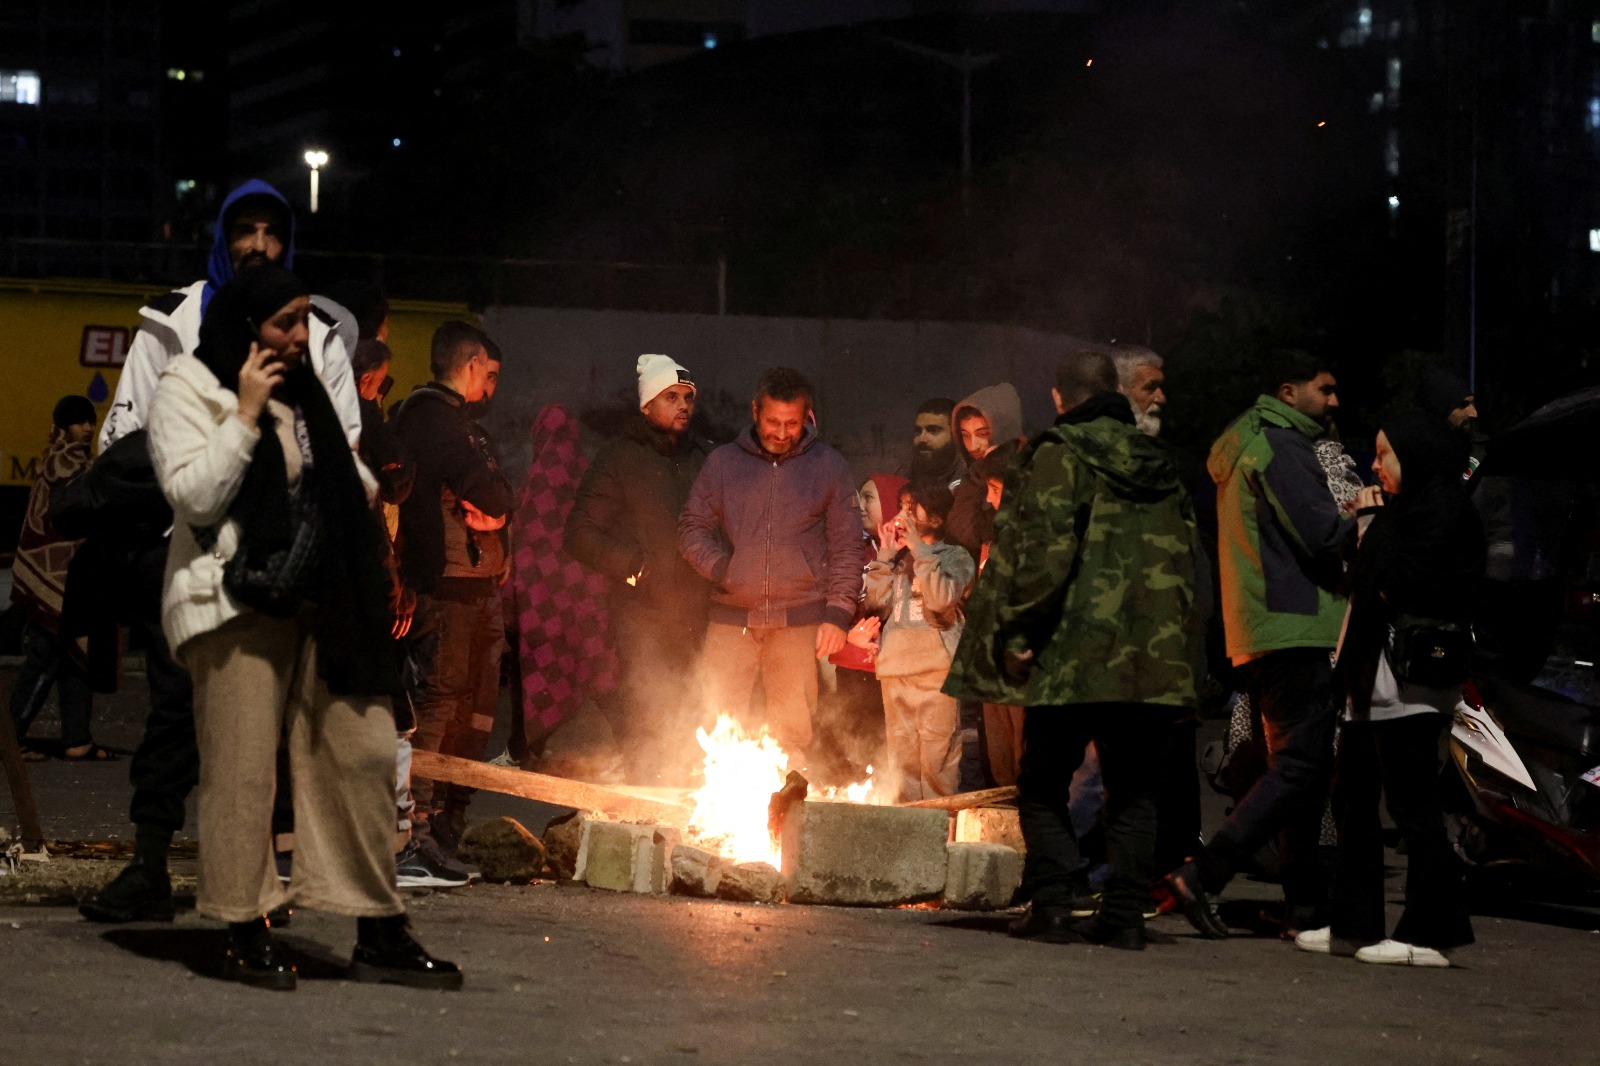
x=1279 y=536
x=254 y=225
x=624 y=526
x=1447 y=397
x=935 y=456
x=1140 y=378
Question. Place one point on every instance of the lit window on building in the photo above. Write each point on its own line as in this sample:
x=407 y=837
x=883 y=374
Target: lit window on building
x=1594 y=112
x=1391 y=152
x=1376 y=103
x=19 y=87
x=1594 y=240
x=1394 y=74
x=1594 y=32
x=183 y=187
x=177 y=74
x=394 y=142
x=1364 y=18
x=1394 y=203
x=708 y=39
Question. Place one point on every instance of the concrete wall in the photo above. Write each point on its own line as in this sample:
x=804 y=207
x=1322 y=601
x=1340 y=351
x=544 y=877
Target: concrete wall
x=870 y=376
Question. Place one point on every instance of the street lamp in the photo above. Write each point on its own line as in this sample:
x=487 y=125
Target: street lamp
x=316 y=159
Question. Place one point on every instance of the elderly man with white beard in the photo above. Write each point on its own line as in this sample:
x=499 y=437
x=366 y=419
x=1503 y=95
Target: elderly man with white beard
x=1141 y=379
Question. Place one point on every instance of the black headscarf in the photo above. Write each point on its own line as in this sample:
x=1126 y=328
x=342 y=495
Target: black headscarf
x=1424 y=554
x=356 y=655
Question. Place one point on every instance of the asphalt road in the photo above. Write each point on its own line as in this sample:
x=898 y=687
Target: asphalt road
x=559 y=974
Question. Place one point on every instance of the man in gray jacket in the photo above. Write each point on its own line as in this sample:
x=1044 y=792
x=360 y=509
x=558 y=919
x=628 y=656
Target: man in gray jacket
x=771 y=523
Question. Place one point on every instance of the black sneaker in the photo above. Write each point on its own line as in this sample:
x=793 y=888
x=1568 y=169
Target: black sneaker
x=387 y=953
x=255 y=959
x=423 y=864
x=140 y=893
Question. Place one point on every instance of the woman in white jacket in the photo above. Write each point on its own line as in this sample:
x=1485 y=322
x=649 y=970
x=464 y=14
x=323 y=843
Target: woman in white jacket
x=251 y=455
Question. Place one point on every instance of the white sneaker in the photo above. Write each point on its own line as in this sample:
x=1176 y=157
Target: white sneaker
x=1316 y=941
x=1396 y=953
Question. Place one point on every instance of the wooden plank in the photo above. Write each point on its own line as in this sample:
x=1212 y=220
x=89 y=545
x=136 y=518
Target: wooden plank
x=559 y=791
x=963 y=800
x=21 y=788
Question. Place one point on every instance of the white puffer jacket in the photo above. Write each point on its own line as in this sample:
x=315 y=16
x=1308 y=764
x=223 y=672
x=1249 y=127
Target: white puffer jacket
x=201 y=452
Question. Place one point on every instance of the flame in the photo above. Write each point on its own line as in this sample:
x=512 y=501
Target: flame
x=861 y=792
x=730 y=810
x=742 y=773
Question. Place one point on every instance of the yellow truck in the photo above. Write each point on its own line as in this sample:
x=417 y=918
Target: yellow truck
x=60 y=336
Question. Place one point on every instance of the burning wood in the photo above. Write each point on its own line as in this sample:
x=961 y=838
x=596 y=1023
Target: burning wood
x=793 y=791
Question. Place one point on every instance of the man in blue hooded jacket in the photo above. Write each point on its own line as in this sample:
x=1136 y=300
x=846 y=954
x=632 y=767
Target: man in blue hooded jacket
x=254 y=226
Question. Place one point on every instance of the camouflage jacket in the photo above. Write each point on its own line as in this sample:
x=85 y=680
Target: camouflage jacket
x=1091 y=569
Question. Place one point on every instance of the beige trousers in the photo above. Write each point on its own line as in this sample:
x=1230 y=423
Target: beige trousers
x=254 y=679
x=783 y=662
x=923 y=729
x=1002 y=734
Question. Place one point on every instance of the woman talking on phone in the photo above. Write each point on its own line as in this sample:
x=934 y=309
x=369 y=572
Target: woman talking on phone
x=276 y=601
x=1401 y=664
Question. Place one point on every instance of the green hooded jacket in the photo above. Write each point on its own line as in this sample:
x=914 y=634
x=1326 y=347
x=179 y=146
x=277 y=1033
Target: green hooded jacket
x=1091 y=568
x=1278 y=533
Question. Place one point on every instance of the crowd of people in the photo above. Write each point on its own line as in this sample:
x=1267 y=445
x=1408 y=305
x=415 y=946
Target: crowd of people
x=322 y=586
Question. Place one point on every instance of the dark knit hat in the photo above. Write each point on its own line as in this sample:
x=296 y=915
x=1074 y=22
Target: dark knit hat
x=1441 y=392
x=73 y=411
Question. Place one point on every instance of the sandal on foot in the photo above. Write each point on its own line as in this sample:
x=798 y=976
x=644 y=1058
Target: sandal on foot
x=93 y=753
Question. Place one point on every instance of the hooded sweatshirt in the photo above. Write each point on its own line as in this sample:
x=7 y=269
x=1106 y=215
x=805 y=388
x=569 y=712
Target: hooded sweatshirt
x=971 y=521
x=1279 y=532
x=1001 y=405
x=170 y=326
x=1091 y=570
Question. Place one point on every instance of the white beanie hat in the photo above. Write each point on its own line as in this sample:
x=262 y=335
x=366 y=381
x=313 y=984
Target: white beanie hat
x=657 y=374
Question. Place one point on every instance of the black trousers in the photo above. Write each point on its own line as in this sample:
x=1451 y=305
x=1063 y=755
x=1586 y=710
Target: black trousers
x=1293 y=690
x=1400 y=758
x=166 y=766
x=1131 y=739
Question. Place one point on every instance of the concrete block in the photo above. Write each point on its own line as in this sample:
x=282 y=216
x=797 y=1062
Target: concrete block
x=625 y=857
x=857 y=854
x=981 y=877
x=990 y=825
x=751 y=882
x=695 y=872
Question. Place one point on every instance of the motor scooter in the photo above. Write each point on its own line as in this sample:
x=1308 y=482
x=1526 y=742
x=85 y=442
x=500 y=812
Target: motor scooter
x=1521 y=784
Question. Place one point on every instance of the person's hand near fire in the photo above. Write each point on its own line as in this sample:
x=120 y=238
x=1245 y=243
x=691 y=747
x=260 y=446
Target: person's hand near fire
x=830 y=640
x=864 y=634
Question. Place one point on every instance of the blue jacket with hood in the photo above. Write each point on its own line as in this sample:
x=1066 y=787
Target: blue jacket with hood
x=170 y=325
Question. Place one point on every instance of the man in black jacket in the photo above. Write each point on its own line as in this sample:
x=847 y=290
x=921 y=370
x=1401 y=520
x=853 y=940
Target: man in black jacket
x=624 y=526
x=453 y=556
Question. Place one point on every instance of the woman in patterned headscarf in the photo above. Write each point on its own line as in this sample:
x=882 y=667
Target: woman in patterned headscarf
x=563 y=635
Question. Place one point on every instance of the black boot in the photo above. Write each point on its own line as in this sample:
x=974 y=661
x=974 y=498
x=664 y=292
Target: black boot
x=1097 y=930
x=387 y=953
x=142 y=892
x=1050 y=924
x=255 y=959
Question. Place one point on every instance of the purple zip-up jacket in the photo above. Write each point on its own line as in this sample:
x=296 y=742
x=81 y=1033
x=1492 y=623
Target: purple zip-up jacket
x=778 y=537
